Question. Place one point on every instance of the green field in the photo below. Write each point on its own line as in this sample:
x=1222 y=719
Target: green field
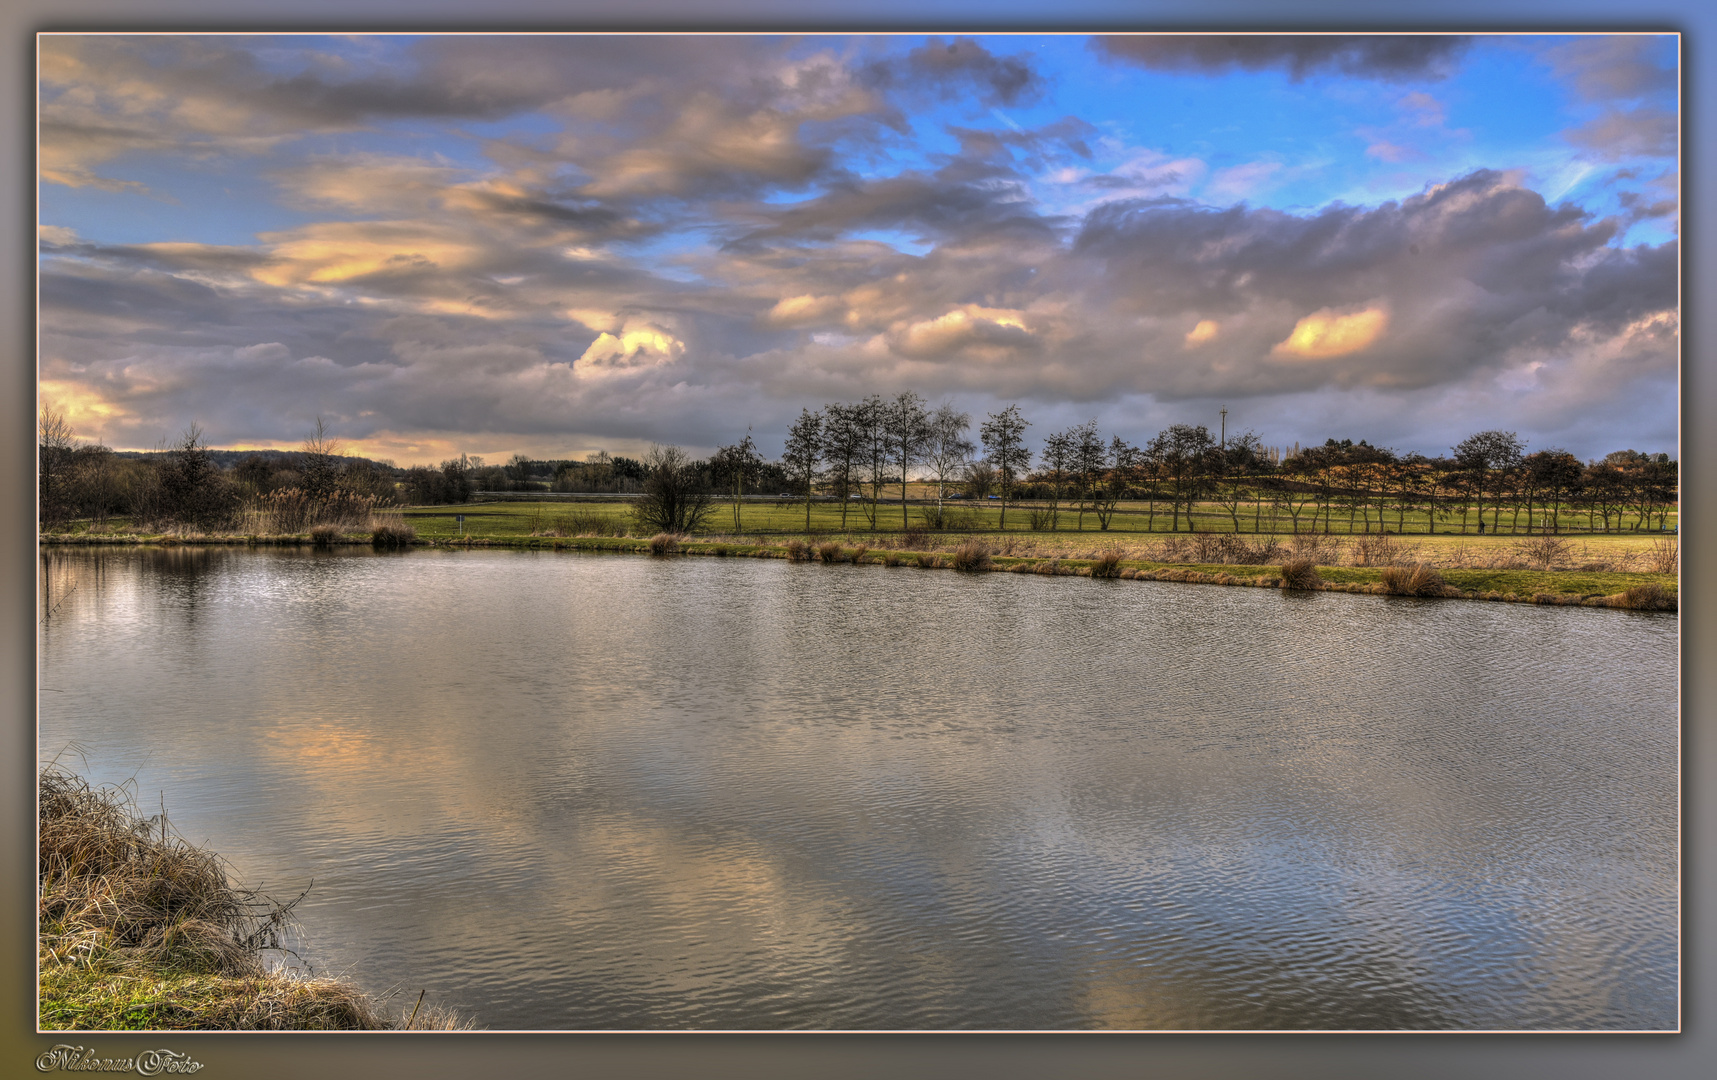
x=767 y=517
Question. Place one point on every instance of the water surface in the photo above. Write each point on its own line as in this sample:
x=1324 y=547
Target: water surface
x=568 y=791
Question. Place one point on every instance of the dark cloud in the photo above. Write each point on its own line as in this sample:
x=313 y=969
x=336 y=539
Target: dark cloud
x=959 y=67
x=1375 y=56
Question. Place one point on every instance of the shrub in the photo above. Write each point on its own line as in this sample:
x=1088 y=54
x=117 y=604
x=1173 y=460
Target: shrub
x=1542 y=551
x=391 y=531
x=324 y=535
x=1300 y=574
x=1664 y=555
x=1040 y=520
x=797 y=551
x=1107 y=564
x=664 y=544
x=586 y=523
x=829 y=552
x=1652 y=597
x=1376 y=549
x=914 y=538
x=972 y=555
x=1415 y=579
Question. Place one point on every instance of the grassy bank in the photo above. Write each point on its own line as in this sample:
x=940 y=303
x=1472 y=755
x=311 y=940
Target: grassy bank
x=1595 y=570
x=140 y=931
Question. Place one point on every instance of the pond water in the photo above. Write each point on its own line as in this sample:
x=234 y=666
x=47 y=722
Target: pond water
x=567 y=791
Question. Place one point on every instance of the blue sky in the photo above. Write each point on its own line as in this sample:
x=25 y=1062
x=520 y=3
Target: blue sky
x=553 y=245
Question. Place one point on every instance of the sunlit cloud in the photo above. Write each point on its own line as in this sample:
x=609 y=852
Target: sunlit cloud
x=1326 y=334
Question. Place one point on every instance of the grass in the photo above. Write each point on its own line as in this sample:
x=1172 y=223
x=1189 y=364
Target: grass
x=139 y=931
x=1568 y=568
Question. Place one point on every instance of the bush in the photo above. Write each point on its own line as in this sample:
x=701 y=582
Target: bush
x=586 y=522
x=1415 y=579
x=664 y=544
x=1300 y=574
x=1040 y=520
x=914 y=538
x=676 y=499
x=1107 y=564
x=1376 y=549
x=972 y=555
x=797 y=551
x=1645 y=598
x=1542 y=551
x=829 y=551
x=1664 y=556
x=391 y=531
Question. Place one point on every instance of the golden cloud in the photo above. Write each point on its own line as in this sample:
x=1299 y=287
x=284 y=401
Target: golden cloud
x=629 y=350
x=1203 y=332
x=963 y=327
x=1325 y=334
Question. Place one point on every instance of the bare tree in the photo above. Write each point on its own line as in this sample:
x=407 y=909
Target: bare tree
x=843 y=443
x=1058 y=459
x=1183 y=455
x=1004 y=445
x=735 y=466
x=948 y=450
x=675 y=499
x=802 y=453
x=54 y=459
x=907 y=428
x=1486 y=458
x=319 y=461
x=1089 y=460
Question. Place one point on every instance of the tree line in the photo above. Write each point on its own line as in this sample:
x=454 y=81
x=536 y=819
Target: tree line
x=864 y=453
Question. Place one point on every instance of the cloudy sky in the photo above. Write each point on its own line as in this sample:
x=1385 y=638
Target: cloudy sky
x=551 y=245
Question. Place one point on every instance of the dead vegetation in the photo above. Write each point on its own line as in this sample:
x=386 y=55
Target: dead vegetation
x=1414 y=579
x=139 y=930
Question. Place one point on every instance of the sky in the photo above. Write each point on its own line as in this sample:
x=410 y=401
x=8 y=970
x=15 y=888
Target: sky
x=551 y=245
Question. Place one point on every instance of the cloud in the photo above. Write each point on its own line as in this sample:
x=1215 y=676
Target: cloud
x=959 y=67
x=632 y=348
x=1205 y=331
x=1325 y=334
x=1619 y=134
x=1613 y=67
x=1386 y=57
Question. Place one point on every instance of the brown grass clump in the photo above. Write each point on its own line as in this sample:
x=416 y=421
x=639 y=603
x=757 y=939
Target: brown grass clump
x=324 y=535
x=891 y=558
x=391 y=531
x=858 y=553
x=797 y=551
x=1644 y=598
x=927 y=561
x=138 y=930
x=972 y=555
x=1414 y=579
x=1107 y=564
x=664 y=544
x=1300 y=573
x=829 y=552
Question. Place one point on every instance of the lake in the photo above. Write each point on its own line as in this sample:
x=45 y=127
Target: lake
x=578 y=791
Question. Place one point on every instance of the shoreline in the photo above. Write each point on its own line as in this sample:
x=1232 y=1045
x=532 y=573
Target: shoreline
x=1642 y=591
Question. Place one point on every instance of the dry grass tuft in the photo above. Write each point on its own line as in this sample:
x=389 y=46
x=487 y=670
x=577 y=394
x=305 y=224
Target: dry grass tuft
x=391 y=531
x=140 y=930
x=1645 y=598
x=797 y=551
x=927 y=561
x=972 y=555
x=829 y=552
x=1300 y=573
x=664 y=544
x=1415 y=579
x=1107 y=564
x=891 y=558
x=858 y=553
x=324 y=535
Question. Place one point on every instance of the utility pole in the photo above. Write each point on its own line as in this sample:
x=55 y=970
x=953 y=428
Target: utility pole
x=1225 y=427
